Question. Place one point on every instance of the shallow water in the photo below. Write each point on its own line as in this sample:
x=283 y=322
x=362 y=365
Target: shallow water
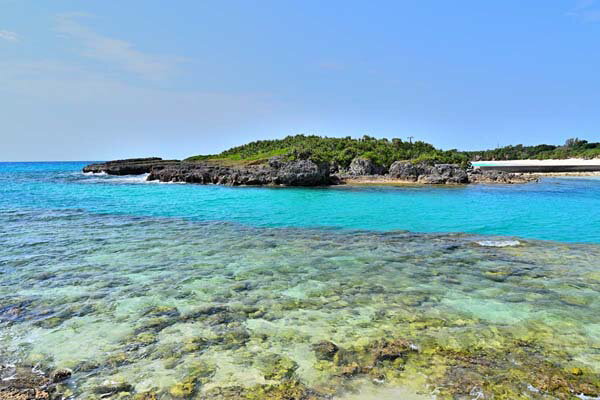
x=95 y=281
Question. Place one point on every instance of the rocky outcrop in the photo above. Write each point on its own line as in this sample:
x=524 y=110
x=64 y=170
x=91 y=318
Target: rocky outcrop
x=130 y=166
x=477 y=175
x=301 y=172
x=276 y=172
x=25 y=383
x=451 y=174
x=425 y=173
x=363 y=166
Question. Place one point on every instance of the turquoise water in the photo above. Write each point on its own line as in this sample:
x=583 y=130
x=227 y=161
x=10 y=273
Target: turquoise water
x=562 y=209
x=182 y=291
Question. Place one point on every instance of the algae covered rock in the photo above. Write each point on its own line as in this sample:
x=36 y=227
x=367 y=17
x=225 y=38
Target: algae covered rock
x=60 y=375
x=149 y=395
x=287 y=390
x=276 y=367
x=112 y=387
x=161 y=311
x=198 y=374
x=184 y=389
x=24 y=382
x=386 y=349
x=325 y=350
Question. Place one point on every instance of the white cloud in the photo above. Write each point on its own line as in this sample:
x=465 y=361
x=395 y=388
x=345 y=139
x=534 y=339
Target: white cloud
x=83 y=114
x=586 y=10
x=8 y=35
x=115 y=52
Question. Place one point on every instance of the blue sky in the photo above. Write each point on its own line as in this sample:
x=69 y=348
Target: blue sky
x=101 y=80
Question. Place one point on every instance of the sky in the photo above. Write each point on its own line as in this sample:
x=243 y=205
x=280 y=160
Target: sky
x=98 y=80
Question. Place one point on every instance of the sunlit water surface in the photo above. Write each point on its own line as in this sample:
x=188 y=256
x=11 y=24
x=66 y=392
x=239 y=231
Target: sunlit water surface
x=226 y=291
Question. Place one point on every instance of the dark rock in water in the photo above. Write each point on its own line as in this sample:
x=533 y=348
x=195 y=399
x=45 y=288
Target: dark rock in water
x=111 y=387
x=276 y=172
x=390 y=349
x=300 y=172
x=287 y=389
x=161 y=311
x=130 y=166
x=60 y=375
x=24 y=383
x=325 y=350
x=276 y=367
x=363 y=166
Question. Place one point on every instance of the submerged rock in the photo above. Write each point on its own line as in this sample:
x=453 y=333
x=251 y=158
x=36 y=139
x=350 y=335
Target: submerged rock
x=276 y=367
x=287 y=390
x=60 y=375
x=184 y=389
x=24 y=383
x=161 y=311
x=198 y=374
x=385 y=349
x=149 y=395
x=113 y=387
x=325 y=350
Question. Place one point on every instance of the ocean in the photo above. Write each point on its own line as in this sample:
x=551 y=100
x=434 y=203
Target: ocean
x=190 y=291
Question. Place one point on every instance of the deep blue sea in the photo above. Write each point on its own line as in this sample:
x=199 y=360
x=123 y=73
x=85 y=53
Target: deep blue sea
x=169 y=291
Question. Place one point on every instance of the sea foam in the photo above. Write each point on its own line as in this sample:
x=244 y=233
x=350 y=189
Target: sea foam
x=498 y=243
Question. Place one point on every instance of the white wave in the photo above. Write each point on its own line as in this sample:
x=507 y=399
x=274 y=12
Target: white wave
x=95 y=173
x=167 y=183
x=584 y=397
x=103 y=177
x=498 y=243
x=129 y=179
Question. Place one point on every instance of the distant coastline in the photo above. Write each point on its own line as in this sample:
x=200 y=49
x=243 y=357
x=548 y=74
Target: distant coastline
x=553 y=167
x=278 y=171
x=319 y=161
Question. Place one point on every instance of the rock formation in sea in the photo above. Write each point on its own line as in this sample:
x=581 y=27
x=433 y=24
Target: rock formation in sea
x=423 y=173
x=301 y=172
x=275 y=172
x=130 y=166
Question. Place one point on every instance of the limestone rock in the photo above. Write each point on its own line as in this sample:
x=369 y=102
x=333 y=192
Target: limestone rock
x=363 y=166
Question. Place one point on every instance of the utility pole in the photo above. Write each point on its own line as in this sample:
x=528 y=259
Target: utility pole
x=410 y=138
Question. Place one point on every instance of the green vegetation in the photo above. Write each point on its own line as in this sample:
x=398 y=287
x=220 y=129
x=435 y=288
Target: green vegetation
x=337 y=150
x=385 y=151
x=573 y=148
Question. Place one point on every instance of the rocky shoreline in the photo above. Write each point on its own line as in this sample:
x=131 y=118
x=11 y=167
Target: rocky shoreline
x=22 y=382
x=303 y=172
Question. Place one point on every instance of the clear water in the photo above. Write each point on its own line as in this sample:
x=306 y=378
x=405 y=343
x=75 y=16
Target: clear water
x=225 y=291
x=562 y=209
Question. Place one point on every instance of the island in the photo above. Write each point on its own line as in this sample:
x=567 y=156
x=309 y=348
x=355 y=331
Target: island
x=315 y=161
